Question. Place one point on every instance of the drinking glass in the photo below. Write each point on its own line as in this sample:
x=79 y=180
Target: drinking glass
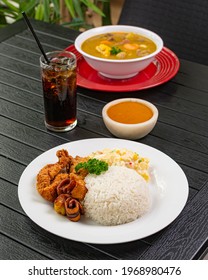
x=59 y=90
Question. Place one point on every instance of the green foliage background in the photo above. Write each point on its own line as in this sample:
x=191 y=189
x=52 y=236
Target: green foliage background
x=49 y=11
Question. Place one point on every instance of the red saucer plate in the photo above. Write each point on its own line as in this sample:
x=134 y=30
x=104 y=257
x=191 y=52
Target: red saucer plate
x=162 y=69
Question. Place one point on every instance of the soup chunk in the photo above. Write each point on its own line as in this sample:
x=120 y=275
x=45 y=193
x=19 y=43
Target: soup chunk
x=118 y=45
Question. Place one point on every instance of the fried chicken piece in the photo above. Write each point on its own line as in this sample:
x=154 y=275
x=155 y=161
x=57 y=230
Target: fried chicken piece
x=49 y=192
x=81 y=172
x=64 y=158
x=50 y=175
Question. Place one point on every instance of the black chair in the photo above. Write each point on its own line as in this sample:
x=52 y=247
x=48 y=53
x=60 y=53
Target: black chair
x=182 y=24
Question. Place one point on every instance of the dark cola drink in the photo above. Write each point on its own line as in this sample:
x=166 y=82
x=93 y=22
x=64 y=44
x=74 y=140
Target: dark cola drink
x=59 y=91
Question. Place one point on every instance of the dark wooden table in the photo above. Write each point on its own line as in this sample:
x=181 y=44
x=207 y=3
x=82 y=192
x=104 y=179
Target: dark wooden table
x=181 y=132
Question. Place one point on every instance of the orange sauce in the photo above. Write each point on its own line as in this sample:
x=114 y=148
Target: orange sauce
x=130 y=112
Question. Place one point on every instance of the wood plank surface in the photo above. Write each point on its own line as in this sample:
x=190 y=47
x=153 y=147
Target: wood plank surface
x=12 y=250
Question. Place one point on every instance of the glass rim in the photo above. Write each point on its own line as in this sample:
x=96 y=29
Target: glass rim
x=49 y=54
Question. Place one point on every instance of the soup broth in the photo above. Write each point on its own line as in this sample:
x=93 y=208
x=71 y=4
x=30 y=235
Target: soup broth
x=130 y=112
x=119 y=45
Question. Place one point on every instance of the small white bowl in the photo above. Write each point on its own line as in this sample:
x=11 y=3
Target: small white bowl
x=129 y=131
x=123 y=68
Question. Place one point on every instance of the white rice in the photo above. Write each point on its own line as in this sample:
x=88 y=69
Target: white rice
x=117 y=196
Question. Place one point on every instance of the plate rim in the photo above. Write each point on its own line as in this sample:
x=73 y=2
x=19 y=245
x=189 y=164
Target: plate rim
x=170 y=73
x=98 y=239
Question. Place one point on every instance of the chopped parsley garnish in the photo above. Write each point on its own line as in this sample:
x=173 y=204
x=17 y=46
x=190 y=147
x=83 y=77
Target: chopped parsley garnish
x=115 y=50
x=93 y=166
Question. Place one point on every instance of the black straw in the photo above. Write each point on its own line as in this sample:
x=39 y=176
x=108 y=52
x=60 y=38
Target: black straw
x=35 y=36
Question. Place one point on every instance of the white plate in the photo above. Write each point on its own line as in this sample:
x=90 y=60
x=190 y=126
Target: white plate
x=168 y=184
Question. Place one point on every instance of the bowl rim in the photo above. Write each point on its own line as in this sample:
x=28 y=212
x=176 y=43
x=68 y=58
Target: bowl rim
x=133 y=60
x=124 y=125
